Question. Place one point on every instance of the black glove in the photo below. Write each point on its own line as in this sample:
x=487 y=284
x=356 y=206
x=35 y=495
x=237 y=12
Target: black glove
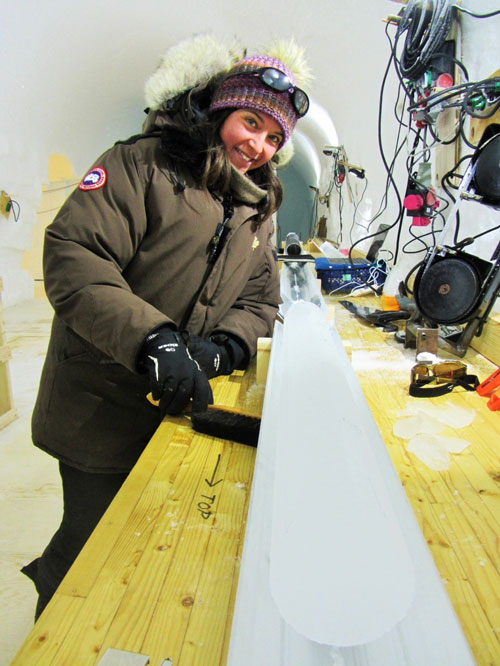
x=174 y=376
x=217 y=355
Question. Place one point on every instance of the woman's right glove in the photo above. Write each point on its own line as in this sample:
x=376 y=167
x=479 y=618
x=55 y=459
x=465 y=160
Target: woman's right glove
x=175 y=377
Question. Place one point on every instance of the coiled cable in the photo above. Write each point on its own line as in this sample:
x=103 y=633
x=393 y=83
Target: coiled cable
x=427 y=24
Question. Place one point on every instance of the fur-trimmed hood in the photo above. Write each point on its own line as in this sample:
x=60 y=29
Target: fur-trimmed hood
x=203 y=59
x=189 y=63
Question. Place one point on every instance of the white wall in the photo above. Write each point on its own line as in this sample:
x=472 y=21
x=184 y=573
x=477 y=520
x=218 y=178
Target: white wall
x=478 y=47
x=73 y=76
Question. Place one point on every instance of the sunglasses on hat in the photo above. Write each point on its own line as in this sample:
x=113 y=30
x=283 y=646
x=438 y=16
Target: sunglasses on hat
x=277 y=80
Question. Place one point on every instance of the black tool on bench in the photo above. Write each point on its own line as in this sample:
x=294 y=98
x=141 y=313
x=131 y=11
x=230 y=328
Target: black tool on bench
x=382 y=318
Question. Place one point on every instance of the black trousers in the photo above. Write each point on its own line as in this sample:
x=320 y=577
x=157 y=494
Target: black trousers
x=86 y=496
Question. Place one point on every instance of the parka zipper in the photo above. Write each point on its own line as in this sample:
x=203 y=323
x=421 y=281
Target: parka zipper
x=216 y=245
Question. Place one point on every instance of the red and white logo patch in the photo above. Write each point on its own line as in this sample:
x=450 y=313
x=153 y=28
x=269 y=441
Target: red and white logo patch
x=94 y=180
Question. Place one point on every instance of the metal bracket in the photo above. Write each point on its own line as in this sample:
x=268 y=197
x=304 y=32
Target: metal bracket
x=114 y=657
x=427 y=345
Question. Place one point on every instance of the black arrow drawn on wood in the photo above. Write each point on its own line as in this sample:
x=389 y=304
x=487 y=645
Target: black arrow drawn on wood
x=211 y=482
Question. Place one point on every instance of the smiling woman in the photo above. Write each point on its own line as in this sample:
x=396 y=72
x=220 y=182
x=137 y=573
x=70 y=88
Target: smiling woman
x=251 y=138
x=162 y=273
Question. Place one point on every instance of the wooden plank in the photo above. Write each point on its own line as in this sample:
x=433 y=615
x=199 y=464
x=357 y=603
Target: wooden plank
x=167 y=542
x=81 y=578
x=470 y=594
x=106 y=602
x=458 y=509
x=171 y=560
x=153 y=550
x=105 y=547
x=43 y=642
x=488 y=343
x=210 y=565
x=263 y=355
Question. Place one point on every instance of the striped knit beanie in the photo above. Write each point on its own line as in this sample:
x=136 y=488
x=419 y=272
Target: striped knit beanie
x=247 y=91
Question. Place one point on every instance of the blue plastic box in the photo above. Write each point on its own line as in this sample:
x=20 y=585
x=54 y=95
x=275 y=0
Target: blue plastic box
x=338 y=275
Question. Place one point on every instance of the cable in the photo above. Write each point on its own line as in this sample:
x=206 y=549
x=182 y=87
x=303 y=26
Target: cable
x=356 y=206
x=404 y=249
x=470 y=239
x=399 y=144
x=445 y=180
x=16 y=209
x=479 y=16
x=388 y=168
x=424 y=28
x=426 y=33
x=457 y=62
x=407 y=278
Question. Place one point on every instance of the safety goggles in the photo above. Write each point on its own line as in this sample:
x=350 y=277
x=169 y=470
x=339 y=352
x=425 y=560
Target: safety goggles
x=277 y=80
x=447 y=373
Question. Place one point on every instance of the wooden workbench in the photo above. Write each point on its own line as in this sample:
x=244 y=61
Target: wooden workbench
x=159 y=574
x=459 y=509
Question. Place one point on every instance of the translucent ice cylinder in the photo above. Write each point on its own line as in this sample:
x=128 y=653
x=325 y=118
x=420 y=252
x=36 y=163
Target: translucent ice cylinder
x=340 y=571
x=299 y=284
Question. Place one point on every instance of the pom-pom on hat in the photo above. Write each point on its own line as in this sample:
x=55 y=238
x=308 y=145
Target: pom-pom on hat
x=242 y=89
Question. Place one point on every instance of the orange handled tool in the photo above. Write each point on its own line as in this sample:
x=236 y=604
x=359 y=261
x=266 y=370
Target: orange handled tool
x=489 y=384
x=487 y=388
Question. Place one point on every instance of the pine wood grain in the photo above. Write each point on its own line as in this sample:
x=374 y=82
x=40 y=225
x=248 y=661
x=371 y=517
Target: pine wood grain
x=488 y=343
x=159 y=574
x=458 y=509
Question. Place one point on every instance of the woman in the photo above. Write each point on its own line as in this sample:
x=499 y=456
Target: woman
x=162 y=274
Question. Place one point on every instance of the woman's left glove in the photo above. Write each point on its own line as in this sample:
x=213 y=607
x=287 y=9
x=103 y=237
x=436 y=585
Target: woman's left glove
x=217 y=355
x=175 y=377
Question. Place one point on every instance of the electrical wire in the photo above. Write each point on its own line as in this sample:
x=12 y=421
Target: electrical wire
x=16 y=209
x=479 y=16
x=389 y=168
x=454 y=60
x=445 y=183
x=406 y=281
x=356 y=206
x=426 y=30
x=423 y=28
x=420 y=238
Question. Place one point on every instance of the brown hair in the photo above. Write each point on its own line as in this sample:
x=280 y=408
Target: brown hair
x=192 y=142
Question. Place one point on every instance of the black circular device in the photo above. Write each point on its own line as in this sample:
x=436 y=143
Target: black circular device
x=447 y=291
x=487 y=172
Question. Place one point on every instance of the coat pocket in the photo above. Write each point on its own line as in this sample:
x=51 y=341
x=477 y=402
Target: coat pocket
x=93 y=414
